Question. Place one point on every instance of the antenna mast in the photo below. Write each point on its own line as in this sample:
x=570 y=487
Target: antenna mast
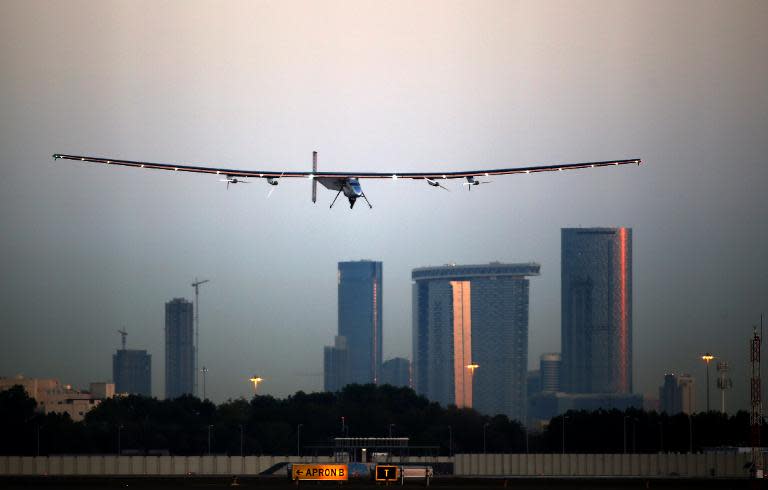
x=197 y=285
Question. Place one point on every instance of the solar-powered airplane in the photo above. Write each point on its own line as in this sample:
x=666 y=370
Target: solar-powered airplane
x=348 y=182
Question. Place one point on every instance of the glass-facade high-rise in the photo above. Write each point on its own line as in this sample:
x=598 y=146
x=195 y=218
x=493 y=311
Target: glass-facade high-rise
x=360 y=294
x=179 y=348
x=132 y=372
x=550 y=364
x=396 y=372
x=596 y=310
x=472 y=315
x=335 y=365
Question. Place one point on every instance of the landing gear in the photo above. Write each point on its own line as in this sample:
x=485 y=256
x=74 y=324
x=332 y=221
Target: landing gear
x=337 y=196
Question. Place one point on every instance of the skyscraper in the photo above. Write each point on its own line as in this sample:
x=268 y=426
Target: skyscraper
x=677 y=394
x=550 y=371
x=179 y=348
x=336 y=365
x=132 y=372
x=596 y=295
x=360 y=318
x=396 y=372
x=467 y=316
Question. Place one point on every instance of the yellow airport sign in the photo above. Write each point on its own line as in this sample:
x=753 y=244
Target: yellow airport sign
x=387 y=472
x=326 y=472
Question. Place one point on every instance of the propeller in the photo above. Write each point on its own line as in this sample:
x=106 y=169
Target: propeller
x=273 y=181
x=435 y=183
x=471 y=181
x=234 y=180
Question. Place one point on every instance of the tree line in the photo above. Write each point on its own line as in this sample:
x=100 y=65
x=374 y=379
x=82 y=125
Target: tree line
x=308 y=422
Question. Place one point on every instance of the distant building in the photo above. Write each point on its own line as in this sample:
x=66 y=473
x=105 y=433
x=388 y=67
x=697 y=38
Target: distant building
x=687 y=394
x=396 y=372
x=677 y=394
x=550 y=371
x=533 y=383
x=596 y=295
x=53 y=397
x=550 y=404
x=359 y=295
x=469 y=315
x=132 y=372
x=336 y=365
x=179 y=348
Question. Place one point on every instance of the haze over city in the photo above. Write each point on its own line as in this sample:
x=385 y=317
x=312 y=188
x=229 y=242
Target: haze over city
x=400 y=86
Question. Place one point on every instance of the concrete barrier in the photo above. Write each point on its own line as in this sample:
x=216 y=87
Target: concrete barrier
x=554 y=465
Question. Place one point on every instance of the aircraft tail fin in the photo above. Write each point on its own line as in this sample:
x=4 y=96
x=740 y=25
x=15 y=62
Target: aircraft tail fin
x=314 y=177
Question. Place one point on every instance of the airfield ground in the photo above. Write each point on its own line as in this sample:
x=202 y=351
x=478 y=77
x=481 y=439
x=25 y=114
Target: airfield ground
x=13 y=483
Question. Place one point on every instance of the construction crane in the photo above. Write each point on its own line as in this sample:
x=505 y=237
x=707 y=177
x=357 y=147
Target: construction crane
x=123 y=334
x=756 y=400
x=197 y=285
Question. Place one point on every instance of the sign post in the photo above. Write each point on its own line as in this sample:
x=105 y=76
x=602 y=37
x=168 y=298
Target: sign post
x=319 y=472
x=387 y=473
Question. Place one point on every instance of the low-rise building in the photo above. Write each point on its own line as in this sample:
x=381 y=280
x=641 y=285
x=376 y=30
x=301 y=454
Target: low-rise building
x=53 y=397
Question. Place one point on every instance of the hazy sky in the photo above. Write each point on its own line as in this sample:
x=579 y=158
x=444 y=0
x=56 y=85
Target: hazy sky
x=372 y=86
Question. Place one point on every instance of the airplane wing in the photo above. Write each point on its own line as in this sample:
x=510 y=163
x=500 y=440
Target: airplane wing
x=330 y=178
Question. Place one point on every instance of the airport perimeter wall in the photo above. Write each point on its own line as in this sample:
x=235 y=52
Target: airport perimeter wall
x=109 y=465
x=551 y=465
x=610 y=465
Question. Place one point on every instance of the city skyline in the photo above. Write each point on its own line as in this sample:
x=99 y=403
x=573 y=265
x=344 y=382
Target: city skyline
x=373 y=87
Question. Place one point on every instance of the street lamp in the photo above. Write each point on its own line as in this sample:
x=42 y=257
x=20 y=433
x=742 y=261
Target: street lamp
x=485 y=426
x=209 y=439
x=661 y=436
x=298 y=439
x=204 y=370
x=471 y=366
x=390 y=430
x=256 y=380
x=690 y=434
x=38 y=440
x=241 y=440
x=564 y=418
x=119 y=448
x=707 y=358
x=450 y=441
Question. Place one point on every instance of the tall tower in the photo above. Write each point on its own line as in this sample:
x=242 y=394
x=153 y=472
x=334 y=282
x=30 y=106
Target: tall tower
x=179 y=348
x=470 y=335
x=360 y=318
x=596 y=296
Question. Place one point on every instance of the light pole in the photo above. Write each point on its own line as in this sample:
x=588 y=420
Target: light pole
x=661 y=436
x=119 y=430
x=690 y=434
x=241 y=440
x=38 y=440
x=298 y=439
x=485 y=426
x=707 y=358
x=471 y=366
x=564 y=418
x=209 y=439
x=450 y=441
x=390 y=430
x=204 y=370
x=526 y=438
x=256 y=380
x=625 y=434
